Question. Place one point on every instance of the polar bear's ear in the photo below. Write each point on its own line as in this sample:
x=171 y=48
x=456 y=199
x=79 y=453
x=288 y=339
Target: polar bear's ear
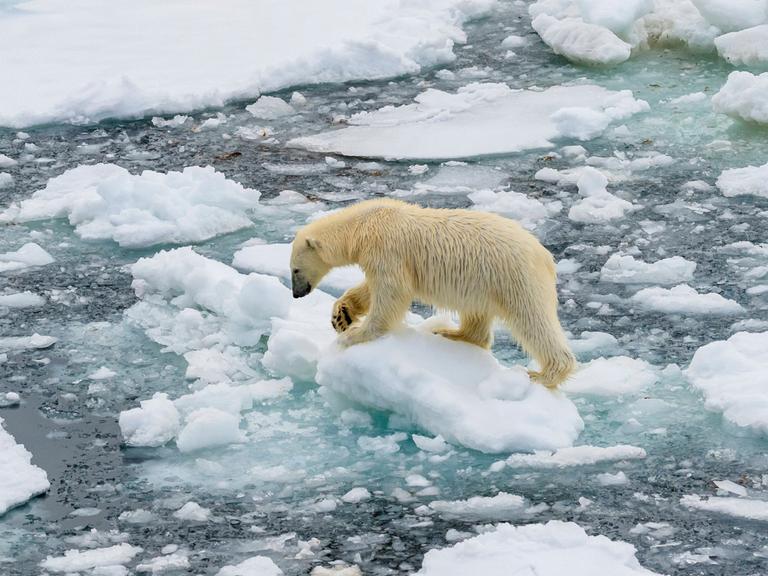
x=313 y=244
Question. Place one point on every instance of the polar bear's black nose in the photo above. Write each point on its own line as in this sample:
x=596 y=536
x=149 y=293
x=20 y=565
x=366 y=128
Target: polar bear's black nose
x=300 y=286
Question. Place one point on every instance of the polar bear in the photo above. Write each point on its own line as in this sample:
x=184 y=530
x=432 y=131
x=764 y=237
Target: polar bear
x=478 y=264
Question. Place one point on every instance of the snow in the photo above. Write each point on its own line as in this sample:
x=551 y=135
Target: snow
x=193 y=512
x=612 y=376
x=20 y=480
x=503 y=506
x=748 y=47
x=30 y=254
x=275 y=259
x=254 y=566
x=453 y=389
x=750 y=180
x=543 y=549
x=745 y=96
x=625 y=269
x=133 y=67
x=733 y=376
x=477 y=120
x=24 y=299
x=683 y=299
x=575 y=456
x=736 y=507
x=106 y=201
x=76 y=560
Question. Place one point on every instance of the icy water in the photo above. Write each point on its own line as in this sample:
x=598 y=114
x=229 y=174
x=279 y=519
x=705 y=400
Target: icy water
x=69 y=423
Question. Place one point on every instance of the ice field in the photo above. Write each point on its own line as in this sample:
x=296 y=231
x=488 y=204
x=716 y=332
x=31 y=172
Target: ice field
x=167 y=407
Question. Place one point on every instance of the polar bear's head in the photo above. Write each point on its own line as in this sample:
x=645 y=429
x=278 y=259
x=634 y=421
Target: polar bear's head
x=307 y=264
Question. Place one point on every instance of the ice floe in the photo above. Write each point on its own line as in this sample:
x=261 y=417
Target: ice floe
x=750 y=180
x=575 y=456
x=503 y=506
x=20 y=480
x=29 y=255
x=744 y=96
x=612 y=376
x=598 y=206
x=24 y=299
x=105 y=201
x=254 y=566
x=733 y=376
x=625 y=269
x=477 y=120
x=748 y=47
x=528 y=211
x=684 y=299
x=99 y=558
x=545 y=549
x=748 y=508
x=131 y=69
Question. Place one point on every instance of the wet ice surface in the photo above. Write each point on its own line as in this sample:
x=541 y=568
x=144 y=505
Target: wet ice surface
x=272 y=495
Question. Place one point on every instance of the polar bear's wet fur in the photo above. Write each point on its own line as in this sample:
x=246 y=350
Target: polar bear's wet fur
x=478 y=264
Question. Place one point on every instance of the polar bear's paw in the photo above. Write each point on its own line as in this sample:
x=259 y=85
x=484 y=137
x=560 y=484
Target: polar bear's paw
x=341 y=319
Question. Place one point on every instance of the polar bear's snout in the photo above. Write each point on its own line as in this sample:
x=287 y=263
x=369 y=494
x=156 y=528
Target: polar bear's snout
x=299 y=285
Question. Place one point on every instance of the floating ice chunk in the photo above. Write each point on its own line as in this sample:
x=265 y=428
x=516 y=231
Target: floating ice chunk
x=598 y=206
x=77 y=561
x=20 y=480
x=174 y=122
x=750 y=180
x=24 y=299
x=158 y=564
x=356 y=495
x=733 y=375
x=132 y=69
x=232 y=399
x=683 y=299
x=478 y=120
x=7 y=162
x=612 y=376
x=689 y=98
x=528 y=211
x=453 y=389
x=254 y=566
x=546 y=549
x=624 y=269
x=608 y=479
x=275 y=259
x=730 y=15
x=154 y=423
x=581 y=42
x=736 y=507
x=102 y=373
x=744 y=96
x=436 y=444
x=678 y=22
x=209 y=428
x=193 y=512
x=381 y=444
x=576 y=456
x=27 y=256
x=503 y=506
x=593 y=342
x=5 y=180
x=747 y=47
x=729 y=486
x=106 y=201
x=138 y=516
x=34 y=342
x=269 y=108
x=617 y=17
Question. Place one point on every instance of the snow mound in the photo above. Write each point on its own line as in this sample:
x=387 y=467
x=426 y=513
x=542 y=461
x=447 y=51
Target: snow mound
x=748 y=47
x=132 y=67
x=275 y=260
x=683 y=299
x=28 y=255
x=549 y=549
x=452 y=389
x=612 y=376
x=575 y=456
x=735 y=507
x=478 y=120
x=624 y=269
x=106 y=201
x=20 y=480
x=744 y=96
x=750 y=180
x=733 y=376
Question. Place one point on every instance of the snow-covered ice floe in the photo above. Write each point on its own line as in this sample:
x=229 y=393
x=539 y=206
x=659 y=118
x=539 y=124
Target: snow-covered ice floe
x=747 y=181
x=108 y=560
x=549 y=549
x=684 y=299
x=29 y=255
x=20 y=480
x=733 y=376
x=575 y=456
x=744 y=96
x=748 y=47
x=625 y=269
x=106 y=201
x=447 y=388
x=612 y=376
x=453 y=389
x=503 y=506
x=748 y=508
x=478 y=120
x=131 y=69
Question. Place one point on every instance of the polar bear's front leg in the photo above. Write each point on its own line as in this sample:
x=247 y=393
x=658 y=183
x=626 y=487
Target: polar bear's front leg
x=354 y=303
x=388 y=307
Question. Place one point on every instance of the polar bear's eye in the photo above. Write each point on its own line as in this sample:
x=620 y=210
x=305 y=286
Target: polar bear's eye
x=295 y=270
